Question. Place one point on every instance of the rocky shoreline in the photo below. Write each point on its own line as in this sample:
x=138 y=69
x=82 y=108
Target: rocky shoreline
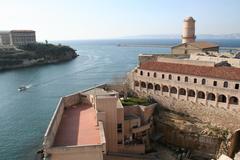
x=34 y=54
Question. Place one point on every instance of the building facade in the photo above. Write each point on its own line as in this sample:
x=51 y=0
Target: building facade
x=207 y=85
x=17 y=37
x=93 y=123
x=22 y=37
x=5 y=38
x=189 y=45
x=194 y=47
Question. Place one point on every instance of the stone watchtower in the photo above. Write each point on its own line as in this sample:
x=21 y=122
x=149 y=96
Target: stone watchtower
x=188 y=33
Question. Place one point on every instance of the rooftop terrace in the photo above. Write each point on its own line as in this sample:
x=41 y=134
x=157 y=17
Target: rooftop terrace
x=78 y=127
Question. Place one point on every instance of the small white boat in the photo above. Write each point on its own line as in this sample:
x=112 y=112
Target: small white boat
x=22 y=88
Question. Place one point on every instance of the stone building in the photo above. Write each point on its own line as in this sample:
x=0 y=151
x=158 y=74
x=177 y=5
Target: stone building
x=188 y=33
x=217 y=58
x=194 y=47
x=21 y=37
x=93 y=124
x=5 y=38
x=196 y=81
x=17 y=37
x=189 y=45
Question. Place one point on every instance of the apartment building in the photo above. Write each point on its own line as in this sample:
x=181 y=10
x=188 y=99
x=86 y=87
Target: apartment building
x=17 y=37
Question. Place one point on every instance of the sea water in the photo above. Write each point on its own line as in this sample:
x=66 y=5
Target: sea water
x=24 y=116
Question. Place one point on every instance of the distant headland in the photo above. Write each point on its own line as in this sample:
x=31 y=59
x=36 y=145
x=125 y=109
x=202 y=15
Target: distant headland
x=19 y=48
x=34 y=54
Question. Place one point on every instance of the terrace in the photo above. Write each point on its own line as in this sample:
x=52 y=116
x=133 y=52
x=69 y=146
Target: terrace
x=78 y=127
x=74 y=131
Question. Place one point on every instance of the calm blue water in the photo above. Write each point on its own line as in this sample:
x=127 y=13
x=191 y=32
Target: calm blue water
x=24 y=116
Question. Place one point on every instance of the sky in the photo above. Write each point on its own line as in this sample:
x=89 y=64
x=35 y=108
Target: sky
x=103 y=19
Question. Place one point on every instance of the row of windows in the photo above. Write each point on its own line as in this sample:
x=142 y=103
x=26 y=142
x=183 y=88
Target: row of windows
x=195 y=80
x=189 y=92
x=24 y=39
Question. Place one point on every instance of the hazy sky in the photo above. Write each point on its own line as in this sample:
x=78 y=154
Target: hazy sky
x=89 y=19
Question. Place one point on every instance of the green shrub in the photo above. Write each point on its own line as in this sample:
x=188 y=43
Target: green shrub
x=49 y=50
x=136 y=101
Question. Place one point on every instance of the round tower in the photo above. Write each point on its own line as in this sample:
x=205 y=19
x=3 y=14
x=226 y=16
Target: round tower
x=188 y=34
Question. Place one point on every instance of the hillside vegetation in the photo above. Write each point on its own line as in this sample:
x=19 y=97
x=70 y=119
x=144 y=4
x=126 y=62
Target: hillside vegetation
x=34 y=54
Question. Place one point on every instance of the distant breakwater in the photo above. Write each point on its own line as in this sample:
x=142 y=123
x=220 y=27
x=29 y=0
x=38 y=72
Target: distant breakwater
x=145 y=45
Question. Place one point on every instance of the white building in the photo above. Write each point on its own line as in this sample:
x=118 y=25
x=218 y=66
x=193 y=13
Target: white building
x=17 y=37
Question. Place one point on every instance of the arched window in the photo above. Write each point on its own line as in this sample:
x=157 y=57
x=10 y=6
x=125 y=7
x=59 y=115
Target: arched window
x=233 y=100
x=155 y=75
x=173 y=90
x=191 y=93
x=214 y=83
x=148 y=74
x=178 y=78
x=141 y=73
x=211 y=97
x=165 y=89
x=186 y=79
x=136 y=83
x=225 y=84
x=157 y=87
x=143 y=84
x=195 y=80
x=169 y=76
x=201 y=95
x=182 y=91
x=150 y=86
x=163 y=76
x=203 y=81
x=222 y=98
x=236 y=86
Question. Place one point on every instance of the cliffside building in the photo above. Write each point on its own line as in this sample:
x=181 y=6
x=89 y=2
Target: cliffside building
x=191 y=80
x=17 y=37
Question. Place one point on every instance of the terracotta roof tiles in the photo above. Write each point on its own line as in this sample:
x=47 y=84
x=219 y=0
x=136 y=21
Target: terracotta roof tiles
x=227 y=73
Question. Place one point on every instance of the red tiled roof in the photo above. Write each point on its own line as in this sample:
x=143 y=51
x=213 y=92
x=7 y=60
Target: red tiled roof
x=228 y=73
